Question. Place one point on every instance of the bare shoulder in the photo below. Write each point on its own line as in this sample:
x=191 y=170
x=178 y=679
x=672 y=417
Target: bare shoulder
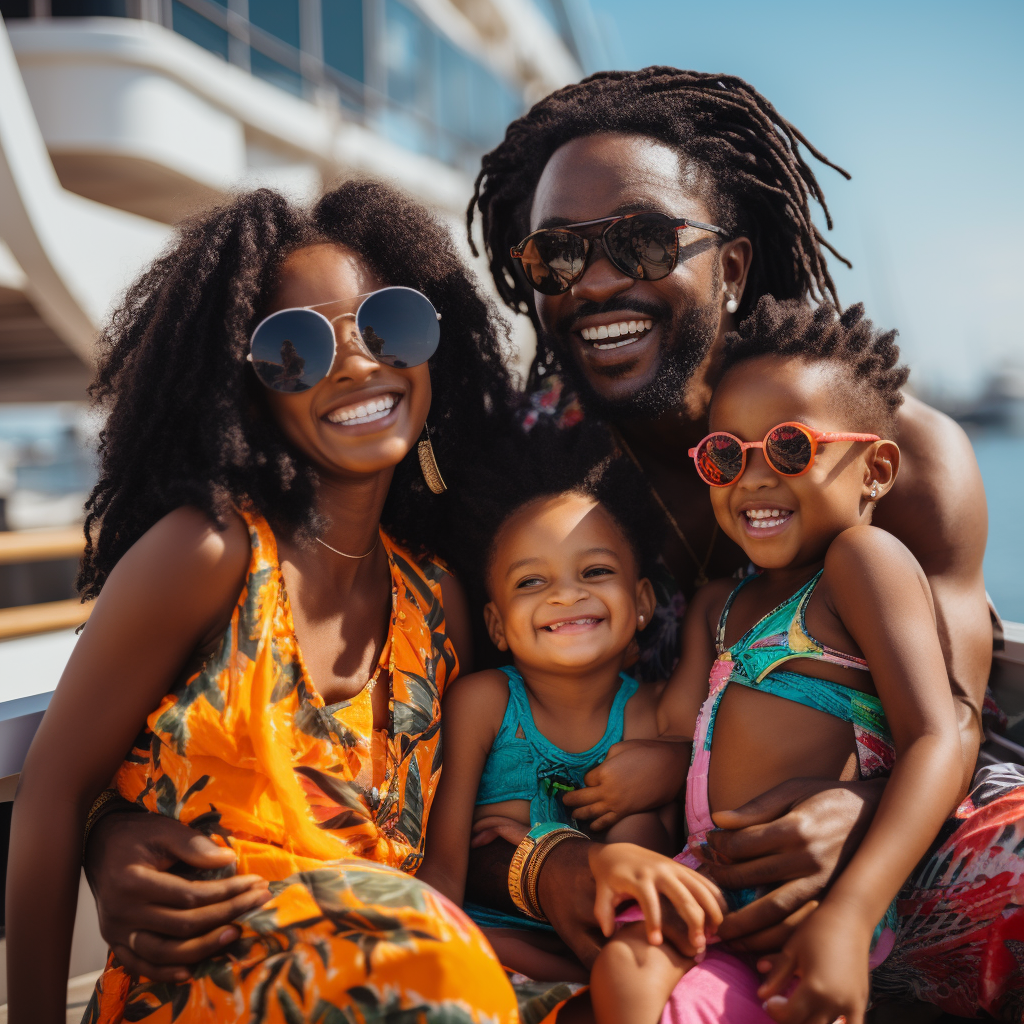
x=707 y=603
x=640 y=719
x=478 y=691
x=866 y=558
x=189 y=558
x=187 y=541
x=937 y=504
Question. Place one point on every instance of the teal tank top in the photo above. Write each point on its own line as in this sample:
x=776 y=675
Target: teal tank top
x=525 y=765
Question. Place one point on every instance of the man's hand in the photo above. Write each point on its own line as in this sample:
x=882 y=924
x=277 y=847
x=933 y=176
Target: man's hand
x=154 y=921
x=798 y=837
x=637 y=775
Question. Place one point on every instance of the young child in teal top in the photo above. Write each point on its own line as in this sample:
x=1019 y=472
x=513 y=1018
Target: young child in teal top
x=567 y=598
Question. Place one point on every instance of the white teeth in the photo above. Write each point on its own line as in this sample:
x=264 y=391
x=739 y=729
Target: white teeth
x=367 y=412
x=761 y=518
x=569 y=622
x=620 y=330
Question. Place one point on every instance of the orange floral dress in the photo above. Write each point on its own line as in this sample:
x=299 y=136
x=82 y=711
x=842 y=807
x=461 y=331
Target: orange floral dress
x=330 y=811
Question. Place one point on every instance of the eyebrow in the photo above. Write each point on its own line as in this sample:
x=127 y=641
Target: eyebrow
x=528 y=561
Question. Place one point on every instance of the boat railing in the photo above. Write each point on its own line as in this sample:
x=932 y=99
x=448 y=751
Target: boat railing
x=40 y=546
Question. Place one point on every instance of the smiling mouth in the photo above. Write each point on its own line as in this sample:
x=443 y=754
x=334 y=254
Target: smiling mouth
x=572 y=625
x=364 y=412
x=767 y=518
x=615 y=335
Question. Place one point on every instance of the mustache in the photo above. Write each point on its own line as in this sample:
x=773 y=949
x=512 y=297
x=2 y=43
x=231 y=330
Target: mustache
x=616 y=304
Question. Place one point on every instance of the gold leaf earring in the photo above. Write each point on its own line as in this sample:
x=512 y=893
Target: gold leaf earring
x=428 y=463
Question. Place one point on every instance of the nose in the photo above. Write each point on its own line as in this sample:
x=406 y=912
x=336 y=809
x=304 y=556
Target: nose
x=757 y=473
x=353 y=363
x=352 y=359
x=567 y=592
x=601 y=279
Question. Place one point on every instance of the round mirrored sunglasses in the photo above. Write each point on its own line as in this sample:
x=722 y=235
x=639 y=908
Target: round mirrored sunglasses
x=789 y=449
x=294 y=349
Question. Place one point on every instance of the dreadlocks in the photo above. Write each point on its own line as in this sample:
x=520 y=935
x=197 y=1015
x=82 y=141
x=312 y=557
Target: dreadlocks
x=189 y=424
x=866 y=360
x=744 y=157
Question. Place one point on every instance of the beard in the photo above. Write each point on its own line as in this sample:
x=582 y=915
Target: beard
x=688 y=338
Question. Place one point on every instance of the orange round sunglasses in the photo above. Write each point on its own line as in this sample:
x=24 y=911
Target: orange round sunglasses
x=789 y=449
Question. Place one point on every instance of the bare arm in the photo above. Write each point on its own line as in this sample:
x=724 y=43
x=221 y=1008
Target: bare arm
x=879 y=593
x=937 y=508
x=161 y=601
x=471 y=715
x=645 y=773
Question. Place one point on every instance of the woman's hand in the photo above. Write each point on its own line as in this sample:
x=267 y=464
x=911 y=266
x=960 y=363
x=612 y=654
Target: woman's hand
x=622 y=870
x=797 y=837
x=154 y=921
x=637 y=775
x=828 y=957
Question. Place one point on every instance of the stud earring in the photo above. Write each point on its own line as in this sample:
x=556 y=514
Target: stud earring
x=428 y=463
x=641 y=620
x=874 y=490
x=731 y=302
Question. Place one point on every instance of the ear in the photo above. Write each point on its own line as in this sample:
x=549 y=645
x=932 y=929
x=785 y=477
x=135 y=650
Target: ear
x=882 y=465
x=734 y=258
x=645 y=603
x=495 y=627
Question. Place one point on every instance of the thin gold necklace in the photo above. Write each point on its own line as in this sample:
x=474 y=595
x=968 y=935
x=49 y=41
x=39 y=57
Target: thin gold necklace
x=702 y=577
x=345 y=554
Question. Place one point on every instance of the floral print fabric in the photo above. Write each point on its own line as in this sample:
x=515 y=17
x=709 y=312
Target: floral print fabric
x=331 y=812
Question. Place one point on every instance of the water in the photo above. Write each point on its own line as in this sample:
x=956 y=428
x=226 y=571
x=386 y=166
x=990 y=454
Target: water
x=1001 y=458
x=44 y=448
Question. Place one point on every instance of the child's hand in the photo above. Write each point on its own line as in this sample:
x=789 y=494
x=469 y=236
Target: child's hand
x=623 y=870
x=494 y=826
x=828 y=956
x=637 y=775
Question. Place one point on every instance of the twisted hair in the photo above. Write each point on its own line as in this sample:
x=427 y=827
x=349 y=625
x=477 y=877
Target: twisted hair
x=744 y=157
x=189 y=424
x=867 y=360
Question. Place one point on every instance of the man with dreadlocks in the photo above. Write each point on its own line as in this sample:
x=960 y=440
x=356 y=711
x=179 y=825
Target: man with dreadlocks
x=637 y=217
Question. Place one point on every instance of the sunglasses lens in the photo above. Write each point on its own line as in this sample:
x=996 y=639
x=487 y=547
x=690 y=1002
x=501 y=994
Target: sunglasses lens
x=644 y=246
x=293 y=350
x=719 y=460
x=789 y=450
x=552 y=260
x=399 y=326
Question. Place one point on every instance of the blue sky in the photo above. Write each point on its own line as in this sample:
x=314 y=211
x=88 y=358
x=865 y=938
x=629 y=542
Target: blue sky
x=923 y=102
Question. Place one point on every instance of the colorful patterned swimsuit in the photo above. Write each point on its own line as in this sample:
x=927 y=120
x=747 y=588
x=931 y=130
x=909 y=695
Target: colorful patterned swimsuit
x=754 y=661
x=330 y=811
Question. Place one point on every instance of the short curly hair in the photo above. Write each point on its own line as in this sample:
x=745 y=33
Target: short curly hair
x=867 y=359
x=549 y=461
x=187 y=421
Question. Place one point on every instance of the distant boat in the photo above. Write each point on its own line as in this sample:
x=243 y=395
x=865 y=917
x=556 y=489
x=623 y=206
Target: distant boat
x=1001 y=405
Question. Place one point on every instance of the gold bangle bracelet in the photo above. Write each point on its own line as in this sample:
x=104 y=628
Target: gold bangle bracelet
x=96 y=812
x=526 y=861
x=536 y=864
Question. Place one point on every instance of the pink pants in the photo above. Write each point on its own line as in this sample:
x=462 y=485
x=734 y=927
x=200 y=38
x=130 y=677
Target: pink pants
x=721 y=990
